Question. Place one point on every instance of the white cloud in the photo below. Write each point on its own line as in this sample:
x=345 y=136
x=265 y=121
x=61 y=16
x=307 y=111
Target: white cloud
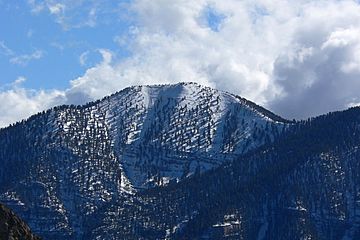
x=26 y=58
x=76 y=14
x=327 y=77
x=300 y=58
x=22 y=102
x=83 y=58
x=19 y=80
x=19 y=59
x=56 y=8
x=171 y=42
x=4 y=50
x=97 y=82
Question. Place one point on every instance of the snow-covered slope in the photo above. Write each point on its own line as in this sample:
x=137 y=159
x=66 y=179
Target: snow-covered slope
x=306 y=185
x=163 y=133
x=167 y=132
x=62 y=166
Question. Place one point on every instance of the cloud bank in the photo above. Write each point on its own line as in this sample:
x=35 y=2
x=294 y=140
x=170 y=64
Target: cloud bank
x=298 y=58
x=19 y=103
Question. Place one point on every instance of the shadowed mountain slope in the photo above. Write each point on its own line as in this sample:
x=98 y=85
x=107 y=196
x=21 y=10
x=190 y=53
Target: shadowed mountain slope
x=12 y=227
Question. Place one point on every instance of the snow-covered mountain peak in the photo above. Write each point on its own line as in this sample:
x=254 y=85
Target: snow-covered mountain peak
x=188 y=93
x=159 y=133
x=78 y=172
x=81 y=158
x=169 y=129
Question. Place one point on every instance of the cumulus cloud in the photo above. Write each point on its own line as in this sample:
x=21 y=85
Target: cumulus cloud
x=175 y=41
x=319 y=71
x=298 y=58
x=229 y=45
x=97 y=81
x=22 y=102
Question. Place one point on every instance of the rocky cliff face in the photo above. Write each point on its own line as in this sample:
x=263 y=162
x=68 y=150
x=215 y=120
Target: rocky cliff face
x=12 y=227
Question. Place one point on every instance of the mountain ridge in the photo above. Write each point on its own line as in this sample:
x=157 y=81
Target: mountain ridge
x=182 y=162
x=76 y=159
x=93 y=102
x=246 y=204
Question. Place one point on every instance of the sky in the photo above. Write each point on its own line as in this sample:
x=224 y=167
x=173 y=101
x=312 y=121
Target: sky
x=298 y=58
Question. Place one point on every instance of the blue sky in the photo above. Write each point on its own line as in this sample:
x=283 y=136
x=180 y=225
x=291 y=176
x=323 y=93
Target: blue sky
x=25 y=32
x=298 y=58
x=59 y=45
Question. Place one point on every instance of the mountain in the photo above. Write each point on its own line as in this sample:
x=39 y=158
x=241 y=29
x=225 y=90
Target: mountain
x=12 y=227
x=182 y=162
x=305 y=185
x=78 y=172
